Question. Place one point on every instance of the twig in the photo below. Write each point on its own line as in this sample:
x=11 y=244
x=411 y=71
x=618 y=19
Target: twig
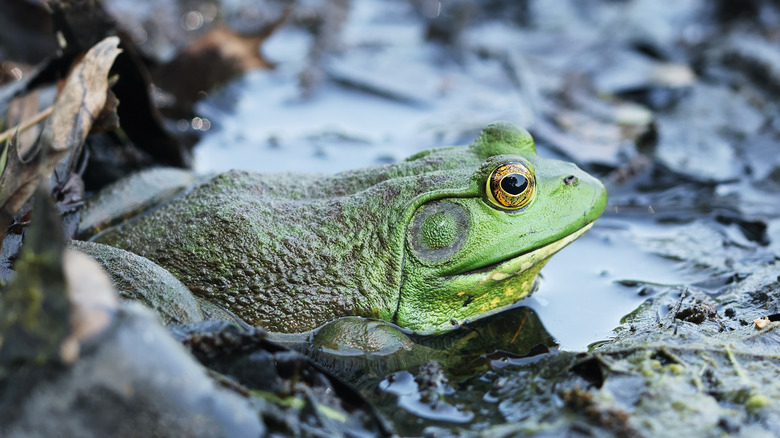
x=5 y=135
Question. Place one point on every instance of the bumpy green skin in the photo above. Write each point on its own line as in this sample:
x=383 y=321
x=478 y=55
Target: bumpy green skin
x=132 y=195
x=397 y=242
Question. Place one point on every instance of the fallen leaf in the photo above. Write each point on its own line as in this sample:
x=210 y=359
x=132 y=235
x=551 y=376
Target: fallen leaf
x=23 y=112
x=80 y=24
x=218 y=56
x=761 y=322
x=82 y=99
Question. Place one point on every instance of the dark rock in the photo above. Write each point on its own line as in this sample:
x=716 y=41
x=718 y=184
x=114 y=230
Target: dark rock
x=134 y=380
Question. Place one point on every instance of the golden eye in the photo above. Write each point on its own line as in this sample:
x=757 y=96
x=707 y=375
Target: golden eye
x=511 y=186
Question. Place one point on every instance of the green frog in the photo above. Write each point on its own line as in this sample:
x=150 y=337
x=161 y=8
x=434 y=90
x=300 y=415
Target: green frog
x=445 y=236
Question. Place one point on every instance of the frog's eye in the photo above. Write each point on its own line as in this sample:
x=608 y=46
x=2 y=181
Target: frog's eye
x=511 y=186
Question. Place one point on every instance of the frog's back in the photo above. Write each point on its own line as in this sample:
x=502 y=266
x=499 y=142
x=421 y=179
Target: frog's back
x=285 y=251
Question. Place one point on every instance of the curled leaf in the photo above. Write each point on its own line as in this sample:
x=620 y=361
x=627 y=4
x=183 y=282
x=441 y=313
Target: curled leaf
x=761 y=322
x=81 y=100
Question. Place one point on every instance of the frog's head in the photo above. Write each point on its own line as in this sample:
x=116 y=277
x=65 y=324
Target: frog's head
x=475 y=242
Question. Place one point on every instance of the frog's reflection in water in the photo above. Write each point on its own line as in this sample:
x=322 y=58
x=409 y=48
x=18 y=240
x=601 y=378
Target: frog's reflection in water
x=363 y=351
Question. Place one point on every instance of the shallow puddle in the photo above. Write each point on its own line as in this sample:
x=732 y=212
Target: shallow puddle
x=589 y=286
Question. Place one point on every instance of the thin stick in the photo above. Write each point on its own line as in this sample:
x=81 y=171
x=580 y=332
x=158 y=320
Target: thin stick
x=28 y=124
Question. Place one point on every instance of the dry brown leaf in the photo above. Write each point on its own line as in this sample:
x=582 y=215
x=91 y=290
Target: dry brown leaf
x=82 y=98
x=108 y=119
x=21 y=110
x=218 y=56
x=761 y=322
x=24 y=126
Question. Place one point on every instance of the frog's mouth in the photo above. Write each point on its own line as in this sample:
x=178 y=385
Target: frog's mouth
x=523 y=261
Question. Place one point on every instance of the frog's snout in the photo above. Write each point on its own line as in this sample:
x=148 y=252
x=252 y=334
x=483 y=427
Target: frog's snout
x=580 y=185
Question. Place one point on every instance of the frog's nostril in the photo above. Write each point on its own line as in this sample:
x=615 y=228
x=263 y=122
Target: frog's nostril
x=570 y=180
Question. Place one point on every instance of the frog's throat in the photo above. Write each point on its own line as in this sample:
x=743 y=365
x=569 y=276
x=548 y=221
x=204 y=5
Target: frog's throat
x=524 y=261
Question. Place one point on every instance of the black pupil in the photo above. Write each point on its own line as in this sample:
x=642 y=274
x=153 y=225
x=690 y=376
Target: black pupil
x=514 y=184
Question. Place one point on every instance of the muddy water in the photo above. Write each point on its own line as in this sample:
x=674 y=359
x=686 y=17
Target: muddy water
x=591 y=285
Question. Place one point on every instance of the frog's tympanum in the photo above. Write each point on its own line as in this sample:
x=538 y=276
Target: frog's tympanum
x=447 y=235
